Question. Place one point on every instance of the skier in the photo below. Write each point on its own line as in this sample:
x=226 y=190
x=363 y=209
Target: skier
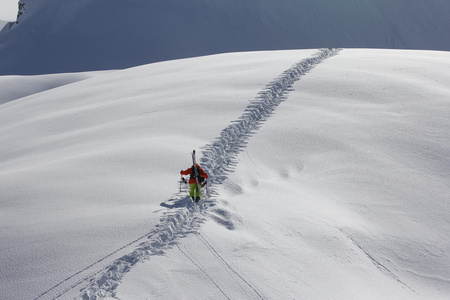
x=195 y=183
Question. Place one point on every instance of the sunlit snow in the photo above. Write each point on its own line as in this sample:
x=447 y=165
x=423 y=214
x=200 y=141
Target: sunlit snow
x=340 y=192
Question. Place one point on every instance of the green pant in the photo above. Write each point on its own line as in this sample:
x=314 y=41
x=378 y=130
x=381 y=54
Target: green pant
x=194 y=191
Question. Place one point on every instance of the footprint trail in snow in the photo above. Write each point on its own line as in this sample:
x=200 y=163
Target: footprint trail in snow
x=219 y=159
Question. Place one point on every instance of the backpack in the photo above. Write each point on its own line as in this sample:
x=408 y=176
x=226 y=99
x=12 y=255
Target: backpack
x=196 y=171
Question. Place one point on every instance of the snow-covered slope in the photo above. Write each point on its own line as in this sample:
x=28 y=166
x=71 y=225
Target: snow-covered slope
x=2 y=24
x=55 y=36
x=15 y=87
x=8 y=10
x=334 y=186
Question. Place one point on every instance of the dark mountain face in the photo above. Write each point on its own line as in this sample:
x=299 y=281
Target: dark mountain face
x=66 y=36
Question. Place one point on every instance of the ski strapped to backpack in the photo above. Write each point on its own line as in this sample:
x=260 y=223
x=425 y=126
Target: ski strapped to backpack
x=195 y=172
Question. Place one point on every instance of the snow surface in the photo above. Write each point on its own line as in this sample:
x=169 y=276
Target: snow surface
x=334 y=186
x=8 y=10
x=15 y=87
x=54 y=36
x=2 y=23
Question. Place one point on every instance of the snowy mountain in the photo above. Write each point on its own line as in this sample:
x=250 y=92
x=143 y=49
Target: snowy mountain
x=3 y=23
x=329 y=169
x=53 y=36
x=329 y=179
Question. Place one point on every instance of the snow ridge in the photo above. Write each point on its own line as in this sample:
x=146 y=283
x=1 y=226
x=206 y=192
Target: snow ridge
x=183 y=217
x=220 y=156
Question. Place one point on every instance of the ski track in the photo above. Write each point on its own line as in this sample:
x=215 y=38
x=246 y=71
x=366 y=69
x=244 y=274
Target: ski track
x=376 y=262
x=231 y=270
x=101 y=278
x=198 y=264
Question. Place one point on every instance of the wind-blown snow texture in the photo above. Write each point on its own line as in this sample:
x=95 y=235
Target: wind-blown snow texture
x=339 y=193
x=54 y=36
x=219 y=158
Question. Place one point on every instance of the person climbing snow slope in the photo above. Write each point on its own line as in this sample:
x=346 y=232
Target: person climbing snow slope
x=196 y=181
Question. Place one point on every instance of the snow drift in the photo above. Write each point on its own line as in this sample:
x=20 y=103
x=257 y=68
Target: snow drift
x=341 y=192
x=53 y=36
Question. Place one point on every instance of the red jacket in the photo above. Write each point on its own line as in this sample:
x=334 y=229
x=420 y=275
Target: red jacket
x=188 y=172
